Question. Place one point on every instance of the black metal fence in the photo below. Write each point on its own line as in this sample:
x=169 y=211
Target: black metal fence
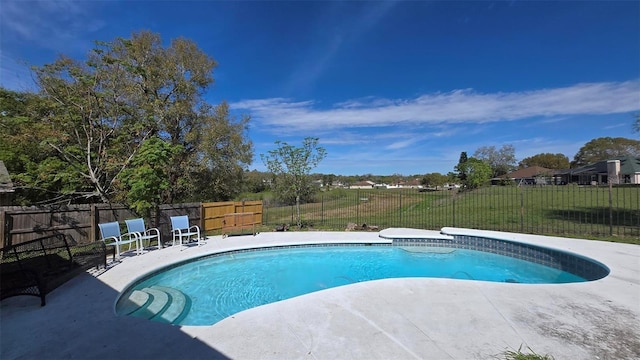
x=565 y=210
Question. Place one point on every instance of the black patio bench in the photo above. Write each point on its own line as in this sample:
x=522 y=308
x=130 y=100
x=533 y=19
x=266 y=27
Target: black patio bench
x=38 y=266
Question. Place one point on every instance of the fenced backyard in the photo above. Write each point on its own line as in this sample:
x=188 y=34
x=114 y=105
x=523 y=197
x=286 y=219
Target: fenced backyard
x=575 y=211
x=569 y=210
x=80 y=222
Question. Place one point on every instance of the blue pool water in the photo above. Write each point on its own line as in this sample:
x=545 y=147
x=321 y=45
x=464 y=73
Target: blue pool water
x=223 y=285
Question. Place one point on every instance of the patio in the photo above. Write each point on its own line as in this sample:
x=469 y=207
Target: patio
x=417 y=318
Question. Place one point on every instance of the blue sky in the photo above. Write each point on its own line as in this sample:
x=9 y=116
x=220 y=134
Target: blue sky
x=387 y=87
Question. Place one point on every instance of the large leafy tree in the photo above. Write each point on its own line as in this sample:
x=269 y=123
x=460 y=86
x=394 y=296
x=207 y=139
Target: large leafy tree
x=101 y=111
x=95 y=126
x=169 y=86
x=38 y=174
x=501 y=160
x=605 y=148
x=221 y=171
x=546 y=160
x=478 y=172
x=291 y=166
x=434 y=179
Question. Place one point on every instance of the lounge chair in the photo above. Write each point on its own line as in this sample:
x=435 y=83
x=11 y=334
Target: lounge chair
x=111 y=232
x=182 y=231
x=137 y=226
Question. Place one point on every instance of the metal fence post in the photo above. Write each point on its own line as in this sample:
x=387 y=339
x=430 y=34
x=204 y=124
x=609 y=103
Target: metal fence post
x=521 y=209
x=358 y=207
x=322 y=209
x=400 y=207
x=453 y=209
x=610 y=208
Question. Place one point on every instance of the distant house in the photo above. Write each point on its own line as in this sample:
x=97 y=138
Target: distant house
x=6 y=186
x=532 y=175
x=451 y=186
x=620 y=170
x=363 y=185
x=411 y=184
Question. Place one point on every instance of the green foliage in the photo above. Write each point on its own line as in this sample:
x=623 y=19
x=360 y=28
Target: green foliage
x=82 y=132
x=255 y=182
x=147 y=179
x=291 y=167
x=265 y=196
x=286 y=195
x=501 y=161
x=521 y=355
x=221 y=172
x=505 y=182
x=37 y=172
x=95 y=115
x=328 y=180
x=546 y=160
x=478 y=172
x=460 y=170
x=434 y=179
x=605 y=148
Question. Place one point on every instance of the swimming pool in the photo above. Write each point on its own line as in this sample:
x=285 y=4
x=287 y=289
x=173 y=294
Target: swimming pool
x=210 y=289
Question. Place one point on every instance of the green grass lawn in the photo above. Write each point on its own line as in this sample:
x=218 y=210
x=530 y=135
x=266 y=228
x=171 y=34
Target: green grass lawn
x=574 y=211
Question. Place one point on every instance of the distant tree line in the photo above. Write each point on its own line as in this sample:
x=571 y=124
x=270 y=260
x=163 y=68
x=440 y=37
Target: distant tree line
x=488 y=162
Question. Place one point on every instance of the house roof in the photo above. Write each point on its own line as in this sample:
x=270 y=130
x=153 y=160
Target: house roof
x=5 y=180
x=596 y=168
x=529 y=172
x=628 y=165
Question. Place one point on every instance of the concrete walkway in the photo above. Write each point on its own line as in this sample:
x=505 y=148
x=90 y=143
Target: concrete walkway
x=415 y=318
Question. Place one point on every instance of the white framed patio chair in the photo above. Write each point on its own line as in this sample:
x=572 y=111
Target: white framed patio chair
x=181 y=230
x=137 y=226
x=110 y=233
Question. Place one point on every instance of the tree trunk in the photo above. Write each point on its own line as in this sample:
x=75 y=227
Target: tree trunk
x=298 y=212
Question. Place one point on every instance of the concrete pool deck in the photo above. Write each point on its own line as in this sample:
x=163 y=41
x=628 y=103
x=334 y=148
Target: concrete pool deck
x=411 y=318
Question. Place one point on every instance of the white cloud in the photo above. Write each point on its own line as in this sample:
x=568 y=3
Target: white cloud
x=455 y=107
x=616 y=126
x=404 y=143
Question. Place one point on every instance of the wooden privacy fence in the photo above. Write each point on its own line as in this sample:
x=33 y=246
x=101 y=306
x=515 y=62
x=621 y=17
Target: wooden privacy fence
x=21 y=224
x=214 y=213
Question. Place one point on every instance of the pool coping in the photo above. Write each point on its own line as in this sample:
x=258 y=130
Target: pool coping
x=391 y=318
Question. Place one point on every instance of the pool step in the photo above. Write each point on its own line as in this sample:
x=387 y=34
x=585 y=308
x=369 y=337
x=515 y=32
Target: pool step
x=158 y=303
x=138 y=299
x=177 y=305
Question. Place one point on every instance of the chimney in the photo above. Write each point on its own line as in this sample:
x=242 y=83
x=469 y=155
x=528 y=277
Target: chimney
x=613 y=171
